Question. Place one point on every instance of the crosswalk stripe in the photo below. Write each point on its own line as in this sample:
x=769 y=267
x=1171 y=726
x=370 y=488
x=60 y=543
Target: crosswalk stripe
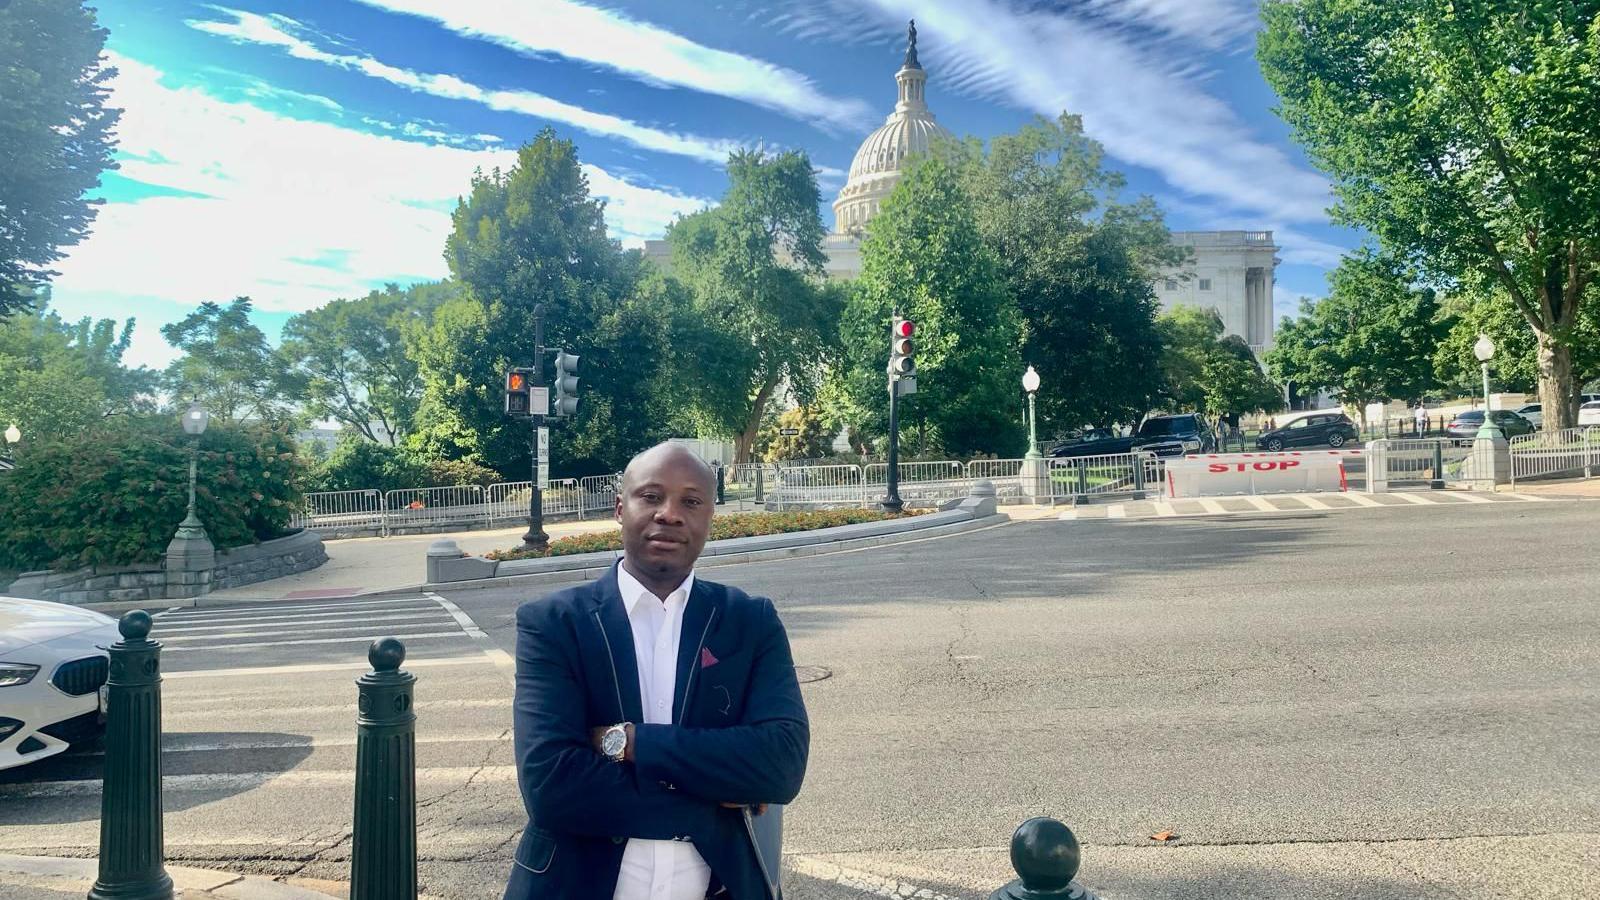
x=309 y=668
x=366 y=639
x=1261 y=503
x=303 y=624
x=1418 y=499
x=1310 y=502
x=1472 y=498
x=1116 y=511
x=288 y=616
x=256 y=633
x=239 y=781
x=1362 y=499
x=312 y=743
x=1164 y=509
x=1211 y=506
x=1531 y=498
x=1068 y=516
x=285 y=606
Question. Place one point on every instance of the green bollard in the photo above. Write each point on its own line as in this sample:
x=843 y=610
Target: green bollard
x=383 y=844
x=1045 y=855
x=132 y=857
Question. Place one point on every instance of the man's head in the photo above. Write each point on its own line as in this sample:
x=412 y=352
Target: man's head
x=664 y=505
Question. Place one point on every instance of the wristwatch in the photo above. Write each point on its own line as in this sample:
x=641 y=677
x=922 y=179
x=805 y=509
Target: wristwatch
x=614 y=743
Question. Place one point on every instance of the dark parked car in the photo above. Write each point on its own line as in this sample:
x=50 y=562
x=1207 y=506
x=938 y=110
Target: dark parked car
x=1465 y=425
x=1086 y=440
x=1161 y=435
x=1325 y=430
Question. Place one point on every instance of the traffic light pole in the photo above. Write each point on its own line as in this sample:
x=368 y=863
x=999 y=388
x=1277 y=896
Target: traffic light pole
x=535 y=538
x=892 y=502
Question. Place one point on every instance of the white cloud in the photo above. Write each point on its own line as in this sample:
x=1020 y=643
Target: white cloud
x=283 y=32
x=1143 y=100
x=1286 y=302
x=639 y=50
x=282 y=195
x=1215 y=23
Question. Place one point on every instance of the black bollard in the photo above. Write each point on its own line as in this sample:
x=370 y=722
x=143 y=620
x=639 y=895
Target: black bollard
x=1045 y=854
x=132 y=853
x=383 y=844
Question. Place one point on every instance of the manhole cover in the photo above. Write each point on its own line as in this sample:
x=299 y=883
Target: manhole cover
x=808 y=674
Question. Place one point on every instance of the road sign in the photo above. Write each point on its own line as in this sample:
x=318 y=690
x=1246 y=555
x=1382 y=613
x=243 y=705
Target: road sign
x=544 y=455
x=788 y=432
x=538 y=401
x=905 y=384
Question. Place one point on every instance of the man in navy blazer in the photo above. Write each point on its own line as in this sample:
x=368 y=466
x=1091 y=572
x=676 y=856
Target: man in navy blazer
x=654 y=712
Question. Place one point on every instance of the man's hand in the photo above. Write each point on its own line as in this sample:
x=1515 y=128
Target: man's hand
x=597 y=737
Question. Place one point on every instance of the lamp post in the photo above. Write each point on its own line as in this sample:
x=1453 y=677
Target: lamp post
x=1030 y=383
x=1484 y=351
x=12 y=434
x=194 y=425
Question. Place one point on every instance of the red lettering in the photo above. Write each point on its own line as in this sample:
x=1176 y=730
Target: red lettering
x=1265 y=466
x=1291 y=463
x=1217 y=467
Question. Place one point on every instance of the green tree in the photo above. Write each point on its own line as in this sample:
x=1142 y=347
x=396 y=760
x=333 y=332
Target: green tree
x=1205 y=370
x=59 y=377
x=1515 y=366
x=812 y=440
x=524 y=238
x=1372 y=339
x=925 y=258
x=227 y=365
x=55 y=137
x=1079 y=263
x=351 y=357
x=1465 y=134
x=764 y=320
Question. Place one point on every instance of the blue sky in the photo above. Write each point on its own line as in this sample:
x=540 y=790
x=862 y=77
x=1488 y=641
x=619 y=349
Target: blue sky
x=301 y=150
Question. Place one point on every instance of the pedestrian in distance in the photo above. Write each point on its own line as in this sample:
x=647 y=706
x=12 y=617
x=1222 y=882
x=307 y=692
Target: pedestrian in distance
x=1422 y=420
x=716 y=466
x=657 y=716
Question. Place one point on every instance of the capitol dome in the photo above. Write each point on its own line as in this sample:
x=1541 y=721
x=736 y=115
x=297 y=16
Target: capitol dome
x=909 y=131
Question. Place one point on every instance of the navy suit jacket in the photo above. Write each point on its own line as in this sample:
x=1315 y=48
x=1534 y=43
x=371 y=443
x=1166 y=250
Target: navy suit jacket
x=740 y=735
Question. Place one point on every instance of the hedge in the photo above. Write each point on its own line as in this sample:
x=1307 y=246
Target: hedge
x=114 y=494
x=734 y=525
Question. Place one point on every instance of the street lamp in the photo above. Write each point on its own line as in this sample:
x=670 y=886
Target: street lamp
x=1484 y=351
x=12 y=434
x=195 y=420
x=1030 y=383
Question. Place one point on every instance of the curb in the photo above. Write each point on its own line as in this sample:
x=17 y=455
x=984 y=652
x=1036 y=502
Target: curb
x=64 y=874
x=590 y=570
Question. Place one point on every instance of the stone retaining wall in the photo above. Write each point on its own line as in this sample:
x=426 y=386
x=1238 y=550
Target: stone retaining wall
x=276 y=558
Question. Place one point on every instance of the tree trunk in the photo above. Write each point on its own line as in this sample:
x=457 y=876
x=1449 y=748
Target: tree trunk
x=1557 y=393
x=744 y=440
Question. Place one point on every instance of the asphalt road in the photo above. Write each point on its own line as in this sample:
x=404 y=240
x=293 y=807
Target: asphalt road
x=1396 y=702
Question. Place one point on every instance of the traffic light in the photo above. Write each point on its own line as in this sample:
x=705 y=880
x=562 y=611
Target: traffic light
x=901 y=362
x=565 y=401
x=517 y=384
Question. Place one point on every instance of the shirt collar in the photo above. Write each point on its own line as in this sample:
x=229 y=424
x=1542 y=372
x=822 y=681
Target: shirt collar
x=633 y=591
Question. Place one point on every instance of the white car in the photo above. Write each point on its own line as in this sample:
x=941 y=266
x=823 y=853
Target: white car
x=1533 y=412
x=53 y=663
x=1589 y=413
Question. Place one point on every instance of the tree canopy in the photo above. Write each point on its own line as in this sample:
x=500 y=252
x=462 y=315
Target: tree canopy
x=1203 y=369
x=55 y=137
x=227 y=365
x=1466 y=135
x=59 y=377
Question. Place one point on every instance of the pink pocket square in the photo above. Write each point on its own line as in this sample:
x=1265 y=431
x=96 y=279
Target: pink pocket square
x=706 y=659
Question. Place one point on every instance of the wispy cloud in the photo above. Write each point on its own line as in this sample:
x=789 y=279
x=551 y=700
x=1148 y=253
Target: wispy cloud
x=1145 y=103
x=639 y=50
x=294 y=213
x=287 y=34
x=1216 y=24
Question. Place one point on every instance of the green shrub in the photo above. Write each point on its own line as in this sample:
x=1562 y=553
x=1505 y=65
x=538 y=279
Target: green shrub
x=115 y=493
x=359 y=464
x=447 y=472
x=729 y=526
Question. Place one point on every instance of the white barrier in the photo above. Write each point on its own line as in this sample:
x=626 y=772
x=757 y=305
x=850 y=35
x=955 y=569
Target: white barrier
x=1223 y=474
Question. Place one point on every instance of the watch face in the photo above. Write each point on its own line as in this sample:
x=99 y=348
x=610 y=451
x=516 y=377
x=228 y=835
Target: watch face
x=614 y=741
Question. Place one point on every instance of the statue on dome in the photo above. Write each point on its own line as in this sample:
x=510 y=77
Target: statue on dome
x=911 y=47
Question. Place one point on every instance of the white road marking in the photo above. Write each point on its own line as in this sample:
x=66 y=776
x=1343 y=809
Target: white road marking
x=1068 y=516
x=1310 y=501
x=305 y=668
x=301 y=624
x=313 y=743
x=1116 y=511
x=1362 y=499
x=1262 y=504
x=1211 y=506
x=285 y=606
x=1472 y=498
x=369 y=638
x=364 y=627
x=1164 y=509
x=500 y=658
x=1531 y=498
x=1418 y=499
x=241 y=781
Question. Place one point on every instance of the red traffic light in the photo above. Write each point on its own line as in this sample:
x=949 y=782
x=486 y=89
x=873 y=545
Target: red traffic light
x=516 y=381
x=904 y=328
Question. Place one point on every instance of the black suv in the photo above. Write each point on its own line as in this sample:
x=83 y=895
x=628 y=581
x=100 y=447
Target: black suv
x=1324 y=430
x=1161 y=435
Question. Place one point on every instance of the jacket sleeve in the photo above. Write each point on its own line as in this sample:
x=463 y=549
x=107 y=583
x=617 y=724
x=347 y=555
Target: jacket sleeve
x=566 y=785
x=760 y=760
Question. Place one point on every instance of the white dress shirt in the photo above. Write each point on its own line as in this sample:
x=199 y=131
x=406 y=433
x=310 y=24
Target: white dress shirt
x=658 y=870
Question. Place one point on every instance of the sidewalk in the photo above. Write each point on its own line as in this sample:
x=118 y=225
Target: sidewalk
x=50 y=878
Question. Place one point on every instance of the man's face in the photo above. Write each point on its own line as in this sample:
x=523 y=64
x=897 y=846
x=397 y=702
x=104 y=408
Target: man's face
x=665 y=511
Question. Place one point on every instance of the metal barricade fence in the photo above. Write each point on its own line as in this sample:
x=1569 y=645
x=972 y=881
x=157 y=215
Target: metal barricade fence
x=1004 y=474
x=1434 y=462
x=920 y=482
x=597 y=494
x=1086 y=476
x=808 y=486
x=428 y=507
x=746 y=485
x=341 y=509
x=1551 y=454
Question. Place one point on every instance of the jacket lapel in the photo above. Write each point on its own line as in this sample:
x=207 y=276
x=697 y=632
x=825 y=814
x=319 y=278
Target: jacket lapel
x=611 y=616
x=699 y=618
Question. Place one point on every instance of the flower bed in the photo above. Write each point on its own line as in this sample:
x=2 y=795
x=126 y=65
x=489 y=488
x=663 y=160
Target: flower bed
x=735 y=525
